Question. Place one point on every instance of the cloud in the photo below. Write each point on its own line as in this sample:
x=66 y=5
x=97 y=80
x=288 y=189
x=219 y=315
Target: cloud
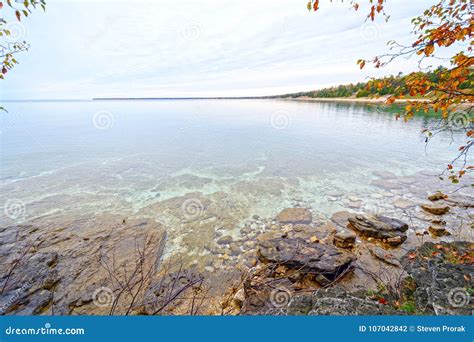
x=85 y=49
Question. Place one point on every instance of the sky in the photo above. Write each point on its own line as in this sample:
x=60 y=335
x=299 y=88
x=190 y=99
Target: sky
x=84 y=48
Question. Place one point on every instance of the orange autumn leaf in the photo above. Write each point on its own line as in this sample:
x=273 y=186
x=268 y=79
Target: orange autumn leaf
x=316 y=5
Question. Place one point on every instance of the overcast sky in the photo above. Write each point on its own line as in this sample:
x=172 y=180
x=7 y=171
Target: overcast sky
x=164 y=48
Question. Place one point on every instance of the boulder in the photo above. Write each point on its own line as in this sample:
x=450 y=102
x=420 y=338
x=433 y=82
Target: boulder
x=340 y=219
x=306 y=257
x=437 y=196
x=344 y=239
x=391 y=231
x=435 y=209
x=239 y=298
x=295 y=216
x=438 y=231
x=403 y=203
x=225 y=240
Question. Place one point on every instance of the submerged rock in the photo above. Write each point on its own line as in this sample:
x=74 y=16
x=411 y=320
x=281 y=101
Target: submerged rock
x=435 y=209
x=225 y=240
x=438 y=231
x=391 y=231
x=295 y=216
x=344 y=239
x=437 y=196
x=310 y=258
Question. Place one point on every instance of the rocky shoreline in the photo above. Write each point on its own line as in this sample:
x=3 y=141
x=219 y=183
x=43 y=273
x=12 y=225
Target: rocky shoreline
x=291 y=264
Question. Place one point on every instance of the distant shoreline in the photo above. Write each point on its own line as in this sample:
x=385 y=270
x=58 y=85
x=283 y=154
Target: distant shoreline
x=179 y=98
x=379 y=100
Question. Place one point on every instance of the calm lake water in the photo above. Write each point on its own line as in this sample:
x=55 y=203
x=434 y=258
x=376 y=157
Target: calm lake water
x=68 y=159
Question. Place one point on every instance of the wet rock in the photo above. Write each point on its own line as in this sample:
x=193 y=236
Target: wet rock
x=384 y=174
x=395 y=241
x=306 y=257
x=209 y=269
x=443 y=274
x=239 y=298
x=435 y=209
x=341 y=219
x=295 y=216
x=251 y=262
x=355 y=205
x=225 y=240
x=437 y=196
x=407 y=180
x=387 y=184
x=403 y=203
x=344 y=239
x=383 y=255
x=391 y=231
x=439 y=222
x=234 y=249
x=438 y=231
x=249 y=244
x=245 y=230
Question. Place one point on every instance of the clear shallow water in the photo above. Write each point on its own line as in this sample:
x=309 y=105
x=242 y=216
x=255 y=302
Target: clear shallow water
x=76 y=159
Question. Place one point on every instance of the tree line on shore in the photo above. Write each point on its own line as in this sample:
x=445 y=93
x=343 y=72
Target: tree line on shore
x=389 y=85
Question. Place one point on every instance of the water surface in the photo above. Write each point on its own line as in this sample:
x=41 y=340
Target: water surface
x=76 y=159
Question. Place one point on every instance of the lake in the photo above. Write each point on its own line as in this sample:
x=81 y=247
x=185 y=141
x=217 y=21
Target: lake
x=76 y=158
x=90 y=180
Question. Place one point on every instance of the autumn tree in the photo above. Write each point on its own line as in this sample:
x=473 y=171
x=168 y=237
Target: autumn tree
x=9 y=45
x=447 y=91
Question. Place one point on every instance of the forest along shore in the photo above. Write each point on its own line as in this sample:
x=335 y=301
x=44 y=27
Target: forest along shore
x=376 y=100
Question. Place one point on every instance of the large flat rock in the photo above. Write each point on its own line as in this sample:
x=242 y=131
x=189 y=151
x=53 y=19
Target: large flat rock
x=295 y=216
x=311 y=258
x=391 y=231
